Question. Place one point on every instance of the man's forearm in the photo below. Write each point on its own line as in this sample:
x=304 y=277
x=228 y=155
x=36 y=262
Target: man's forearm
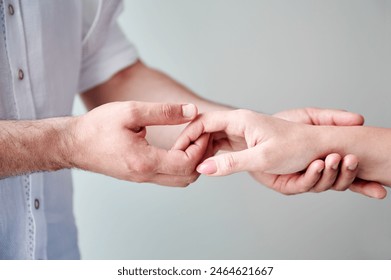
x=372 y=145
x=37 y=145
x=141 y=83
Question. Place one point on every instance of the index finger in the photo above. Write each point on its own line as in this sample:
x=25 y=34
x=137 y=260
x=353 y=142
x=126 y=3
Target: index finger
x=178 y=162
x=147 y=113
x=204 y=123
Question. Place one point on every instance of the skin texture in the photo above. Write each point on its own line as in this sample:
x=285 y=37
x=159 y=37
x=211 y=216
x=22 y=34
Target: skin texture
x=127 y=137
x=142 y=83
x=275 y=151
x=29 y=146
x=111 y=141
x=372 y=145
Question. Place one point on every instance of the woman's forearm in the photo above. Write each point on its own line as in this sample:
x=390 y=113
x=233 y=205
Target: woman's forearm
x=372 y=145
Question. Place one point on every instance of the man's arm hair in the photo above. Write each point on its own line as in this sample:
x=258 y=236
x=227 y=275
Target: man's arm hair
x=35 y=145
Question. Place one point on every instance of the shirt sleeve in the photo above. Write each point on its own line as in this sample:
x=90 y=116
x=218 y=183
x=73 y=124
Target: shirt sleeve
x=106 y=51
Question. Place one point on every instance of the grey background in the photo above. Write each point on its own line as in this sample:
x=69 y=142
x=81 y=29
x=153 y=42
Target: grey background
x=267 y=56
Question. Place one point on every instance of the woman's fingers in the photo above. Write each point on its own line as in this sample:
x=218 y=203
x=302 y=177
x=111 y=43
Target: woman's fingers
x=348 y=173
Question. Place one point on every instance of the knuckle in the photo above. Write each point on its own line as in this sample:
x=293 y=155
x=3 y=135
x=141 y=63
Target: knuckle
x=167 y=111
x=138 y=171
x=229 y=163
x=244 y=113
x=131 y=106
x=142 y=167
x=132 y=110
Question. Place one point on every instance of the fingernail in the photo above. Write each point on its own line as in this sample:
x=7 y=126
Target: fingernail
x=207 y=167
x=352 y=167
x=320 y=170
x=334 y=167
x=189 y=110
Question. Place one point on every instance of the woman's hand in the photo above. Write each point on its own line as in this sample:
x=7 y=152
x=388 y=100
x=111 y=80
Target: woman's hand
x=275 y=152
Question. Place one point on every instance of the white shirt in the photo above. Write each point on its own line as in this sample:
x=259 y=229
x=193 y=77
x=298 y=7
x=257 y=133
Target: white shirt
x=50 y=50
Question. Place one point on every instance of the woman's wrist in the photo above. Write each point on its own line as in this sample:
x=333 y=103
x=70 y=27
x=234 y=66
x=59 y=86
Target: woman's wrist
x=369 y=144
x=328 y=140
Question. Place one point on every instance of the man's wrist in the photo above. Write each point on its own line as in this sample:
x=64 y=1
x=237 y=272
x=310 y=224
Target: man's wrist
x=67 y=141
x=36 y=145
x=55 y=140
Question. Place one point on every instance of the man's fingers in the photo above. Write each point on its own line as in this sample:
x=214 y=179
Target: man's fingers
x=296 y=183
x=145 y=114
x=347 y=174
x=174 y=181
x=197 y=150
x=228 y=163
x=334 y=117
x=177 y=162
x=329 y=174
x=306 y=181
x=370 y=189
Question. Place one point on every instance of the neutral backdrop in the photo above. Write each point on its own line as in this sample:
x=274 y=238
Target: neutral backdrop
x=267 y=56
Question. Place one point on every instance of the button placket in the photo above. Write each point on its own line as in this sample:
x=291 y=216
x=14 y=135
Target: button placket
x=18 y=59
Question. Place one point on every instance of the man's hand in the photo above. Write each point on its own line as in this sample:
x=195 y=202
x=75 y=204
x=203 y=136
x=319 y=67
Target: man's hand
x=110 y=140
x=269 y=147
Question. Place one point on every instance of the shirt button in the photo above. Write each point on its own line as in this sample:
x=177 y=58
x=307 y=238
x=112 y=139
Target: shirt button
x=11 y=10
x=36 y=204
x=20 y=74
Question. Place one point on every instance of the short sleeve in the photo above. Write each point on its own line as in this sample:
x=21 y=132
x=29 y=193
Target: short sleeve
x=106 y=49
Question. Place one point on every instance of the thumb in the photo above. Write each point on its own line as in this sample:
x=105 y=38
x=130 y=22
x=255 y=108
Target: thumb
x=227 y=163
x=371 y=189
x=334 y=117
x=145 y=113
